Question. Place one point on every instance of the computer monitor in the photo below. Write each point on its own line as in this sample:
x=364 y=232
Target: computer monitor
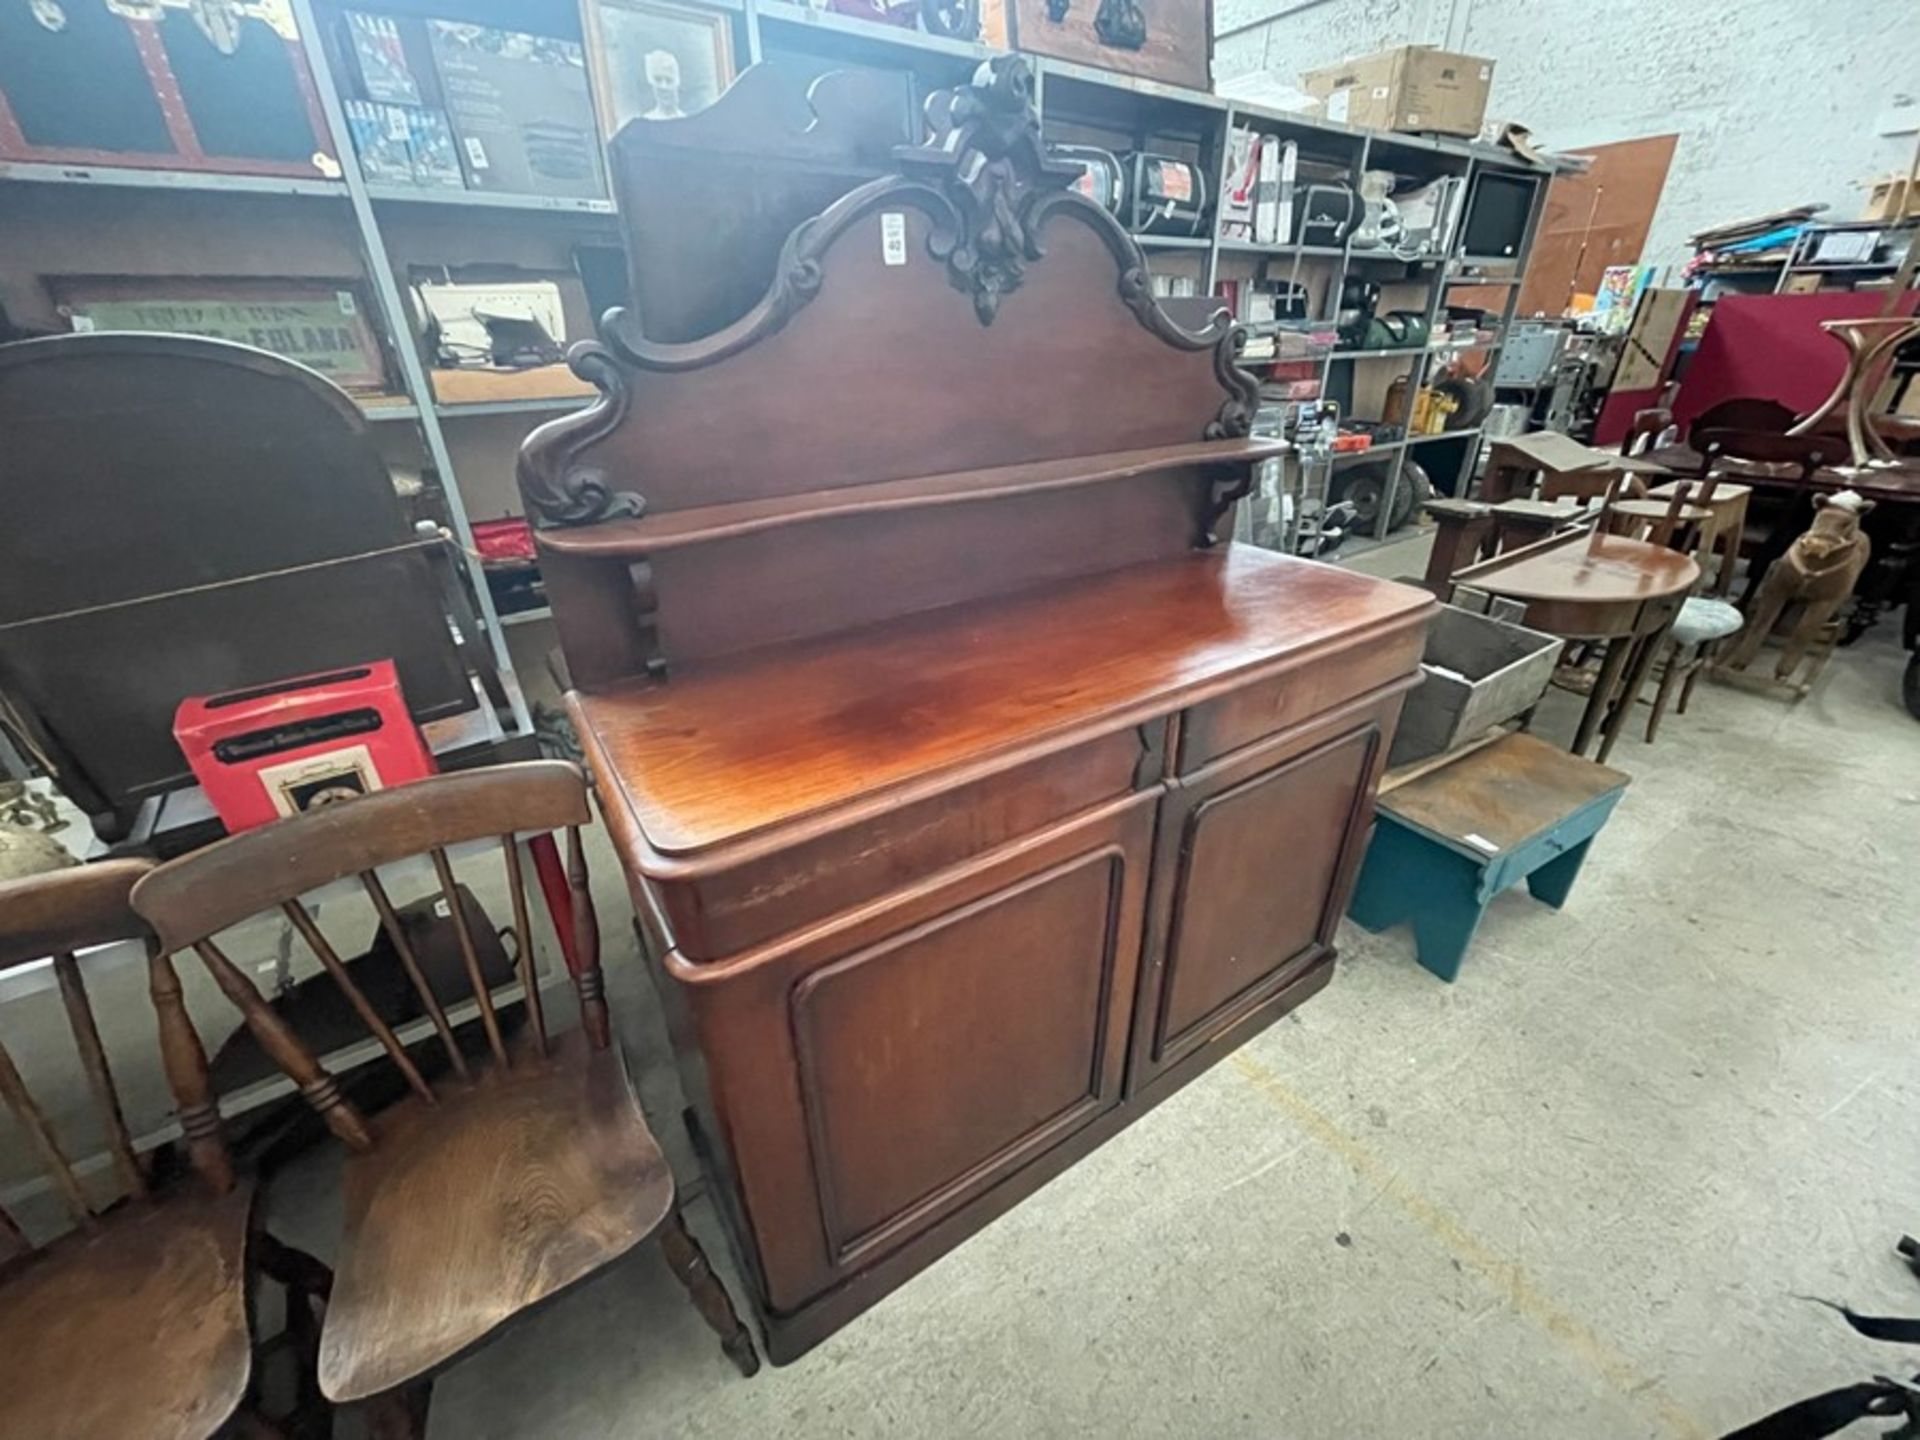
x=1497 y=215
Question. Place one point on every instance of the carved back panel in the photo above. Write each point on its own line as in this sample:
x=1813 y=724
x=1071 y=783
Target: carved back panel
x=884 y=373
x=971 y=311
x=710 y=199
x=965 y=315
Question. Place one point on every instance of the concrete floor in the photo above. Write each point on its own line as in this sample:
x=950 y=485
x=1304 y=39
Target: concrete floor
x=1575 y=1194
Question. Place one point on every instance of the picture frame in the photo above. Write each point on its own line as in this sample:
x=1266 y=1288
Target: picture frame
x=321 y=323
x=1177 y=48
x=220 y=89
x=655 y=59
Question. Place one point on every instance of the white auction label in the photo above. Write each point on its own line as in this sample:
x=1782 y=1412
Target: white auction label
x=893 y=237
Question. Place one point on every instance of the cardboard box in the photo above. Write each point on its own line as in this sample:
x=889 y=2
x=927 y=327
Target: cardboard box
x=1890 y=198
x=1413 y=87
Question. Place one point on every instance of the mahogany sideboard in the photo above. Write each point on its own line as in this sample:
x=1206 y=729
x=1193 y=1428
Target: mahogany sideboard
x=972 y=795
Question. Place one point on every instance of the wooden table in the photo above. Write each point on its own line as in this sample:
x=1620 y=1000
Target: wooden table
x=1566 y=469
x=1894 y=484
x=1583 y=586
x=1451 y=839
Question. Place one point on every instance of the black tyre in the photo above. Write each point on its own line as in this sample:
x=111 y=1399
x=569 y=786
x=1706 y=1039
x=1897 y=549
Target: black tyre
x=1419 y=488
x=1365 y=486
x=1910 y=685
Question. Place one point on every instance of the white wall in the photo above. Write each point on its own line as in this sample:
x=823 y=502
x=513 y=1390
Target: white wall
x=1775 y=101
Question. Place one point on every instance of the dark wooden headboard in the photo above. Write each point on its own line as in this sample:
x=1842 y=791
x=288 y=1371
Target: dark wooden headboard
x=966 y=330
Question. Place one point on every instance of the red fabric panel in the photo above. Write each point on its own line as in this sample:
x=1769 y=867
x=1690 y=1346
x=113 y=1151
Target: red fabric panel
x=1771 y=347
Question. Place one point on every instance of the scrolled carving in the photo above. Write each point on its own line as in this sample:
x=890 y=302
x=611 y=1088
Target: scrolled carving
x=1235 y=418
x=558 y=488
x=798 y=276
x=985 y=153
x=1135 y=284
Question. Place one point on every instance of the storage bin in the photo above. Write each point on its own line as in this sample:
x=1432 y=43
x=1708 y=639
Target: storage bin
x=1477 y=673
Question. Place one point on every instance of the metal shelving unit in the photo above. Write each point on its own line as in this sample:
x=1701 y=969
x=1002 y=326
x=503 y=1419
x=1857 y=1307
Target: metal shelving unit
x=475 y=200
x=1895 y=237
x=1072 y=93
x=1098 y=100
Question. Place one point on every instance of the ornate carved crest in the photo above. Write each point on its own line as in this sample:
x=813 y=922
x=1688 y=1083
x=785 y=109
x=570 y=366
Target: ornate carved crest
x=985 y=154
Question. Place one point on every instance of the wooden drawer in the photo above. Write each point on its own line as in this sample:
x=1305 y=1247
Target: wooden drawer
x=877 y=1076
x=730 y=900
x=1298 y=693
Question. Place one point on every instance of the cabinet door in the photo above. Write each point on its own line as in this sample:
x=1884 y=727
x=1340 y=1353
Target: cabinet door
x=1253 y=867
x=875 y=1076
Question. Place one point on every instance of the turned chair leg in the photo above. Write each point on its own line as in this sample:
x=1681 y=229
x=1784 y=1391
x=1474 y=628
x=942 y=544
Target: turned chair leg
x=307 y=1284
x=689 y=1264
x=1673 y=668
x=1709 y=655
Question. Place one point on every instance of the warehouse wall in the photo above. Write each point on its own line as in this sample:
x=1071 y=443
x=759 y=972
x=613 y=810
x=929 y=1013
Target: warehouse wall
x=1776 y=102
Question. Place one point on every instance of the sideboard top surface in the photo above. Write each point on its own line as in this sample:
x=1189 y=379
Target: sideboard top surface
x=735 y=748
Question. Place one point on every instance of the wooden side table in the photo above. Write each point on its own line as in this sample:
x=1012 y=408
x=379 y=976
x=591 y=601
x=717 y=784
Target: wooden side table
x=1594 y=587
x=1450 y=839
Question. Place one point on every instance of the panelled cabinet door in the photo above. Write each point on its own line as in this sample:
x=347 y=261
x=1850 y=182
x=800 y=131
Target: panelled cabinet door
x=928 y=1048
x=1254 y=863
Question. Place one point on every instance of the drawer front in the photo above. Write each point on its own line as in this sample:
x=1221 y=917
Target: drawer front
x=877 y=1076
x=767 y=892
x=1266 y=707
x=1255 y=857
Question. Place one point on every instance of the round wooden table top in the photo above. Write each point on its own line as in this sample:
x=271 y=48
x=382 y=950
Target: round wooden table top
x=1603 y=570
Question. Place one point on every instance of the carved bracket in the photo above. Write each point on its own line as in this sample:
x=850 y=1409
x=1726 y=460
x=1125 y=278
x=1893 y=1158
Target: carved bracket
x=1227 y=486
x=557 y=488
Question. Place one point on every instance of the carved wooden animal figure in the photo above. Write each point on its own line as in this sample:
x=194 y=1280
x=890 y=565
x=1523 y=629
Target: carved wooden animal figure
x=1818 y=571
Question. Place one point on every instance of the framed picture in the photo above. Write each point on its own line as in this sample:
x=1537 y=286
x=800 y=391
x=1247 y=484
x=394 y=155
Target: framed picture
x=161 y=84
x=656 y=60
x=320 y=323
x=1172 y=40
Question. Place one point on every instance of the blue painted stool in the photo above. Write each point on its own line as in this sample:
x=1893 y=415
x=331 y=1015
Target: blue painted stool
x=1451 y=839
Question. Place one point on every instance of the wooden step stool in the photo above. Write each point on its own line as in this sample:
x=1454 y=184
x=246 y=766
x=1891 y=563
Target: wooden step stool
x=1451 y=838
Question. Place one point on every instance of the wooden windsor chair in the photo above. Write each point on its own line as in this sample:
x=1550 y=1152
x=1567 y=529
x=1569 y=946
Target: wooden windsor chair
x=136 y=1320
x=1677 y=518
x=467 y=1205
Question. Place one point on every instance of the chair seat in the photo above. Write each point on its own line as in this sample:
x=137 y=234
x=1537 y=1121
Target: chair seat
x=1702 y=619
x=470 y=1211
x=137 y=1329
